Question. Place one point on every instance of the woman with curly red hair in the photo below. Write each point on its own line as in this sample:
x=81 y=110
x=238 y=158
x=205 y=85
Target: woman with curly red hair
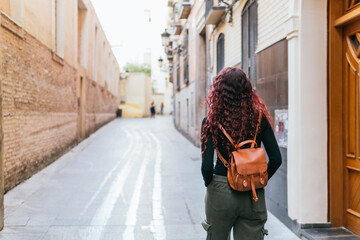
x=235 y=105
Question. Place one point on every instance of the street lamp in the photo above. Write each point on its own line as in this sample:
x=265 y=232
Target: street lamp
x=165 y=38
x=160 y=61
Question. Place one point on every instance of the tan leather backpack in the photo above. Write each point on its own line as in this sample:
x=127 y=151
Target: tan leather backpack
x=247 y=168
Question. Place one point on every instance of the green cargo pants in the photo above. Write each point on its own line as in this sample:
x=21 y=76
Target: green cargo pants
x=226 y=209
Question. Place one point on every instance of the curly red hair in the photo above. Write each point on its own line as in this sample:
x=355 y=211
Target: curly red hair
x=235 y=105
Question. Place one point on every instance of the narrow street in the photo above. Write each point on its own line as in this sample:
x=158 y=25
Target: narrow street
x=132 y=179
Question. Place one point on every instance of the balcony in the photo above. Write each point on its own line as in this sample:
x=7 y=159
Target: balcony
x=171 y=78
x=213 y=12
x=184 y=9
x=178 y=29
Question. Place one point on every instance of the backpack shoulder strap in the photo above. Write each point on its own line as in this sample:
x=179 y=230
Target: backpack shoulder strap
x=226 y=134
x=226 y=164
x=232 y=141
x=257 y=128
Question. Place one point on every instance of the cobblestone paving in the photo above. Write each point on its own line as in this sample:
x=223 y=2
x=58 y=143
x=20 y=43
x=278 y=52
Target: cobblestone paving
x=132 y=179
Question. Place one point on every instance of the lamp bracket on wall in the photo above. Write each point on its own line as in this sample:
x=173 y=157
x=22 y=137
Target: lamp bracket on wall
x=229 y=7
x=179 y=49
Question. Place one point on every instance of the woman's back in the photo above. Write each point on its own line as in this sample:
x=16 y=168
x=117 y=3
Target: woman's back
x=235 y=106
x=265 y=136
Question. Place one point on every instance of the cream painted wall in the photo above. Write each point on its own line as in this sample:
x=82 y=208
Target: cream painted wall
x=307 y=160
x=84 y=35
x=5 y=6
x=138 y=90
x=272 y=16
x=17 y=11
x=38 y=20
x=70 y=33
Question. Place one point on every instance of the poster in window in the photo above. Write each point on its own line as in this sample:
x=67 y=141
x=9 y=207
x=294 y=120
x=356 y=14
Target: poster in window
x=281 y=127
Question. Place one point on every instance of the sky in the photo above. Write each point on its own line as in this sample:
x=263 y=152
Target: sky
x=127 y=27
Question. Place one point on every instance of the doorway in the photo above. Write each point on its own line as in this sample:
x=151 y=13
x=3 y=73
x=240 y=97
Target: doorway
x=344 y=130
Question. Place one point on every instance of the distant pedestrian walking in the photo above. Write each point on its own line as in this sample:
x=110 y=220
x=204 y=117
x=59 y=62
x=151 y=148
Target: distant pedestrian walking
x=235 y=115
x=152 y=110
x=162 y=108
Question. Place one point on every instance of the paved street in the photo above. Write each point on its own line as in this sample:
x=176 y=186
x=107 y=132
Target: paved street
x=132 y=179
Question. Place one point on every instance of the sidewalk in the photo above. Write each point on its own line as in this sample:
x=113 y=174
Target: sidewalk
x=132 y=178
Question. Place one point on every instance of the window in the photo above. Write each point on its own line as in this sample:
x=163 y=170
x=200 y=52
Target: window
x=352 y=3
x=220 y=48
x=249 y=40
x=354 y=39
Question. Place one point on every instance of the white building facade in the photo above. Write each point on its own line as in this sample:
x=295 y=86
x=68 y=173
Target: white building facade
x=302 y=57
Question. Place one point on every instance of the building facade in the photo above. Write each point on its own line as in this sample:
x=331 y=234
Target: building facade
x=59 y=82
x=188 y=63
x=136 y=89
x=302 y=57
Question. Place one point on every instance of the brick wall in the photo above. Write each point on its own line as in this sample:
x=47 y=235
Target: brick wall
x=100 y=107
x=40 y=106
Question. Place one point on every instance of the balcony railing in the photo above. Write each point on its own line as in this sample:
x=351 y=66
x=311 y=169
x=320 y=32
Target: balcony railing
x=213 y=12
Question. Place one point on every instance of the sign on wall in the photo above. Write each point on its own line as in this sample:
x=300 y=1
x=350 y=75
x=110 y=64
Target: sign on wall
x=281 y=127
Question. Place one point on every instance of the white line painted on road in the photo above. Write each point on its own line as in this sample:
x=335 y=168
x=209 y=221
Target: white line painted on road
x=158 y=218
x=135 y=199
x=124 y=156
x=104 y=212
